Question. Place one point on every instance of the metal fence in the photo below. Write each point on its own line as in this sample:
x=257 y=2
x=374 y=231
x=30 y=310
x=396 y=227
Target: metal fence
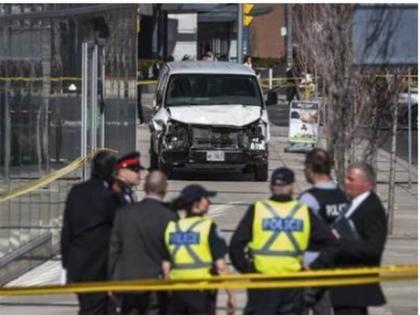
x=41 y=83
x=49 y=102
x=31 y=220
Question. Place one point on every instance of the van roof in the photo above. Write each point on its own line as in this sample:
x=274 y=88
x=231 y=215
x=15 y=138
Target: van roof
x=210 y=67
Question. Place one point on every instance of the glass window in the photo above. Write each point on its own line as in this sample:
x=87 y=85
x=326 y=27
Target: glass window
x=212 y=89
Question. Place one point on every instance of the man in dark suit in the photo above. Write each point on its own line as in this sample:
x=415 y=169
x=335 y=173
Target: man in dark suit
x=365 y=246
x=87 y=223
x=137 y=247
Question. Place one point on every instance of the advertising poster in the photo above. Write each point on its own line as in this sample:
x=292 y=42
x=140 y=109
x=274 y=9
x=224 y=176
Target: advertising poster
x=304 y=122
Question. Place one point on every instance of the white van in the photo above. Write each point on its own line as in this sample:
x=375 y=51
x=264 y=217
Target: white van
x=210 y=115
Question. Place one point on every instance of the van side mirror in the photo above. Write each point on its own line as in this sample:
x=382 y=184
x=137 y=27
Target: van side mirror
x=155 y=104
x=272 y=98
x=159 y=98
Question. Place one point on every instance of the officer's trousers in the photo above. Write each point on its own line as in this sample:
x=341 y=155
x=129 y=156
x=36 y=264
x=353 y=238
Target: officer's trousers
x=362 y=310
x=274 y=302
x=317 y=300
x=144 y=303
x=93 y=303
x=193 y=302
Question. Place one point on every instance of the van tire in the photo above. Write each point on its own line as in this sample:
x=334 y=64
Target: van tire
x=153 y=156
x=166 y=169
x=261 y=172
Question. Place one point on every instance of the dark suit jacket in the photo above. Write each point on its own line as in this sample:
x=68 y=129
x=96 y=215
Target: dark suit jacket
x=371 y=224
x=87 y=223
x=137 y=242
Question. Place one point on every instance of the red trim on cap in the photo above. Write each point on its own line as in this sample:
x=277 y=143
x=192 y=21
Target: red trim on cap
x=129 y=162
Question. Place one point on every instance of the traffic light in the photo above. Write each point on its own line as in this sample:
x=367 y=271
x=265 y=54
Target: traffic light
x=247 y=19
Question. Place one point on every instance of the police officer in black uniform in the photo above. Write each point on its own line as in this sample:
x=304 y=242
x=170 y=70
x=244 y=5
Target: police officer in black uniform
x=327 y=201
x=88 y=217
x=325 y=198
x=259 y=232
x=127 y=176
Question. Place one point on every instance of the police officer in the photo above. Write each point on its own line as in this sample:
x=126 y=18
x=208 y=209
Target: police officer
x=195 y=250
x=276 y=232
x=292 y=90
x=128 y=169
x=325 y=198
x=127 y=176
x=88 y=218
x=327 y=201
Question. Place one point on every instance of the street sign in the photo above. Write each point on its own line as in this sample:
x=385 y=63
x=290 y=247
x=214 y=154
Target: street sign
x=304 y=122
x=283 y=31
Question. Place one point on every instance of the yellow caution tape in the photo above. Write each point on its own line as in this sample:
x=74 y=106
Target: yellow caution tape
x=146 y=82
x=278 y=86
x=284 y=81
x=321 y=278
x=391 y=269
x=29 y=79
x=414 y=76
x=45 y=180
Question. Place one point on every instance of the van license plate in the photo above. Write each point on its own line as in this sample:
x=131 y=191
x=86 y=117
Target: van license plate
x=215 y=156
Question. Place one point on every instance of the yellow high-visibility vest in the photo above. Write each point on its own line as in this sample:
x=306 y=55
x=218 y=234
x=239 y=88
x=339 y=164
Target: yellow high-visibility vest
x=280 y=235
x=187 y=241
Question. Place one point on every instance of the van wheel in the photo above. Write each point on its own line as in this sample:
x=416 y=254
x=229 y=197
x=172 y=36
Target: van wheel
x=165 y=168
x=261 y=172
x=153 y=156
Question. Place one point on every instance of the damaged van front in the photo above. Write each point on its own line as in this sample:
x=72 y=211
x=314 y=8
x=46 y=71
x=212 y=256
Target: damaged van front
x=209 y=115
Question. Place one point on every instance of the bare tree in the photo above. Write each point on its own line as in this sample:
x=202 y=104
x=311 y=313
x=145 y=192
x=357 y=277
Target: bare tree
x=358 y=100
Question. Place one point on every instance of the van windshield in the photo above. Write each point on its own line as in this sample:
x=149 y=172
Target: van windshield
x=212 y=89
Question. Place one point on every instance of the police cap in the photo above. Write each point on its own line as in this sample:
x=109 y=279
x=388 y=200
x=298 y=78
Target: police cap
x=130 y=161
x=194 y=192
x=282 y=176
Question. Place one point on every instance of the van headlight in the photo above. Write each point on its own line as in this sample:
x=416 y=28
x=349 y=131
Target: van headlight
x=176 y=136
x=256 y=133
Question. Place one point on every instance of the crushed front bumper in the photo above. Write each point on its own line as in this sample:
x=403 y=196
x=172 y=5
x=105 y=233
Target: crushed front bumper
x=198 y=159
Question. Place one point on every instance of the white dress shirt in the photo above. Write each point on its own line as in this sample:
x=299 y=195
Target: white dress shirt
x=355 y=203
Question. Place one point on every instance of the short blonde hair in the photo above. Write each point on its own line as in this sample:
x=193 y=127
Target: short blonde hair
x=156 y=183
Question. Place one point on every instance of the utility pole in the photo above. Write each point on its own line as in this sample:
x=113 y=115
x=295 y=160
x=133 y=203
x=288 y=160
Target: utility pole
x=289 y=34
x=239 y=39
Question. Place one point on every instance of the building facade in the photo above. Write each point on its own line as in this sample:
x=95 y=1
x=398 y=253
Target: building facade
x=266 y=37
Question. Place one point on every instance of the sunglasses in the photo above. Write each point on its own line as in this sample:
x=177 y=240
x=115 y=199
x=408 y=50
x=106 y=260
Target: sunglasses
x=135 y=168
